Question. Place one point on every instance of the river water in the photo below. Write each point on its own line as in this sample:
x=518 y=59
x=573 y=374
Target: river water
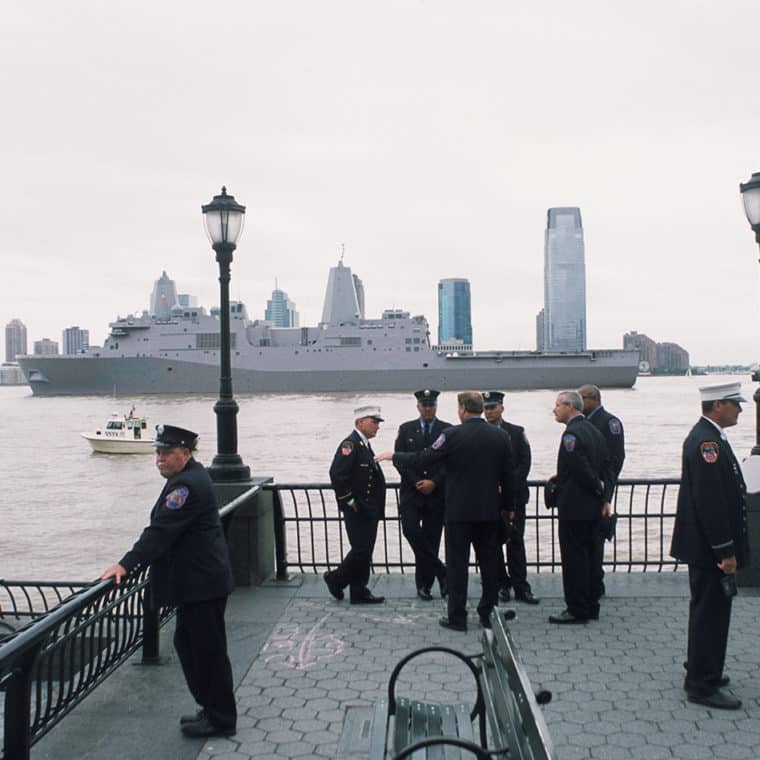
x=66 y=513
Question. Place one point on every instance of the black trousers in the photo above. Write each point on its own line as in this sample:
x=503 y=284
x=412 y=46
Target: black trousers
x=354 y=570
x=516 y=564
x=422 y=526
x=484 y=538
x=200 y=639
x=709 y=619
x=577 y=544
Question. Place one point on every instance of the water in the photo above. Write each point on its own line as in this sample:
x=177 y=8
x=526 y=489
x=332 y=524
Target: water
x=68 y=513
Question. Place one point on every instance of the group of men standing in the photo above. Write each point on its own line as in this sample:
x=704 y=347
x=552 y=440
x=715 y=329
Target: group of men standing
x=473 y=478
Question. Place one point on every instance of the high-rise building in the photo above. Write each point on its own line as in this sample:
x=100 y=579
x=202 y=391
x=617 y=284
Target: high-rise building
x=164 y=297
x=45 y=346
x=454 y=312
x=359 y=288
x=15 y=340
x=564 y=319
x=658 y=358
x=281 y=311
x=75 y=340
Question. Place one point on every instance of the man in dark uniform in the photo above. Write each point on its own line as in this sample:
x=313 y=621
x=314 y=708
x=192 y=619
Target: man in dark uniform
x=612 y=429
x=421 y=495
x=359 y=486
x=583 y=494
x=513 y=531
x=479 y=487
x=190 y=568
x=710 y=534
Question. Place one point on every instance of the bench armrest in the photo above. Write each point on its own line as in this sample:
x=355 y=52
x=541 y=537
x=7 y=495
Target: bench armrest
x=480 y=752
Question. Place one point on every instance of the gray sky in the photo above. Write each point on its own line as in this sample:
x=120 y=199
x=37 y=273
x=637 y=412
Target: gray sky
x=429 y=137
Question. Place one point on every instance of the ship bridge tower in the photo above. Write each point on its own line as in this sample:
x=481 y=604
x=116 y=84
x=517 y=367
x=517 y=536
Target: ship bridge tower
x=341 y=302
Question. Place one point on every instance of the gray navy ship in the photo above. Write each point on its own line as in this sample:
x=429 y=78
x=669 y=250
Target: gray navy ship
x=179 y=353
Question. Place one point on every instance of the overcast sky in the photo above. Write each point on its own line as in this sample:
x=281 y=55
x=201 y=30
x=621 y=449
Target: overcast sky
x=428 y=136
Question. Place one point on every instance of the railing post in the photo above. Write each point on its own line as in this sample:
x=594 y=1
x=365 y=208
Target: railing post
x=151 y=627
x=17 y=742
x=280 y=540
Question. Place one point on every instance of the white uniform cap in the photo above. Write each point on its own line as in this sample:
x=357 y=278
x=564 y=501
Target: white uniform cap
x=725 y=392
x=367 y=411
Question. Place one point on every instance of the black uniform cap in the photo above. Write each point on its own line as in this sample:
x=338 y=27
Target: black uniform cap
x=170 y=437
x=427 y=397
x=492 y=398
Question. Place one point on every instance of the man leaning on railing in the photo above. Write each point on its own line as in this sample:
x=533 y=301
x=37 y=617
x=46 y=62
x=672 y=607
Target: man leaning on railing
x=190 y=569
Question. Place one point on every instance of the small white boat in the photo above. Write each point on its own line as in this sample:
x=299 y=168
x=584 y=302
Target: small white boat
x=123 y=434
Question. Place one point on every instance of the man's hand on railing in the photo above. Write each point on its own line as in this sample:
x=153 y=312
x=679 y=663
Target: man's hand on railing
x=117 y=572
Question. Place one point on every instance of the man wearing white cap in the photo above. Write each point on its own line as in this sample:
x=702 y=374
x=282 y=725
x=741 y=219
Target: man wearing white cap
x=359 y=486
x=710 y=534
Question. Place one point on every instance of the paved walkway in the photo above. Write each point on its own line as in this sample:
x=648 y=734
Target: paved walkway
x=309 y=668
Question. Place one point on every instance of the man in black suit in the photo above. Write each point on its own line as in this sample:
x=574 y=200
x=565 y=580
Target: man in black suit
x=513 y=531
x=611 y=429
x=359 y=486
x=479 y=487
x=583 y=494
x=710 y=534
x=190 y=568
x=421 y=495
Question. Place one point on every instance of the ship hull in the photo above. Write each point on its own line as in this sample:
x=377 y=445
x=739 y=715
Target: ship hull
x=52 y=376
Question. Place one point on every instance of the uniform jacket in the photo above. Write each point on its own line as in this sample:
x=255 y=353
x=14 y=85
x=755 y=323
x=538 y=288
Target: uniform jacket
x=354 y=474
x=184 y=542
x=411 y=438
x=711 y=518
x=522 y=458
x=614 y=436
x=582 y=471
x=479 y=470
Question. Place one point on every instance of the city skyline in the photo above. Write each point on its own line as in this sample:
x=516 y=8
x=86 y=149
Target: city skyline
x=440 y=158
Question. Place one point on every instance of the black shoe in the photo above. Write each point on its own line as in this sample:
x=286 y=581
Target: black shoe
x=717 y=699
x=505 y=594
x=566 y=618
x=367 y=598
x=594 y=615
x=192 y=718
x=333 y=587
x=204 y=728
x=720 y=683
x=443 y=584
x=444 y=622
x=527 y=597
x=424 y=594
x=485 y=622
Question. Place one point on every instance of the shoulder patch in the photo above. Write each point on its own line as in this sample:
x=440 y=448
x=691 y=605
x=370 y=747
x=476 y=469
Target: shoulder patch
x=615 y=427
x=568 y=441
x=346 y=448
x=176 y=498
x=710 y=450
x=438 y=442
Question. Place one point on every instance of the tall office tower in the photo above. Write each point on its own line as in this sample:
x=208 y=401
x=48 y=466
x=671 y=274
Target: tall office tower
x=164 y=297
x=15 y=339
x=454 y=318
x=75 y=340
x=281 y=311
x=187 y=301
x=45 y=347
x=359 y=288
x=564 y=282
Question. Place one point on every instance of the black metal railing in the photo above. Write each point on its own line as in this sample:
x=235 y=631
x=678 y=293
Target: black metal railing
x=309 y=536
x=75 y=636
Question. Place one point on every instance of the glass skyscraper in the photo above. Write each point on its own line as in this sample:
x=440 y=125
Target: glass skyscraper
x=454 y=314
x=281 y=311
x=564 y=312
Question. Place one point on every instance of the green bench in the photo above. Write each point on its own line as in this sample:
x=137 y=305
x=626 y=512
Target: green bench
x=506 y=712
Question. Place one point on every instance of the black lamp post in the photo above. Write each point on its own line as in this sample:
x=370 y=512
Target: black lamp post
x=750 y=191
x=224 y=223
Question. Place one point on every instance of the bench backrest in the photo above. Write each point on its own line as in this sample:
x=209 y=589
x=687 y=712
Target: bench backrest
x=514 y=715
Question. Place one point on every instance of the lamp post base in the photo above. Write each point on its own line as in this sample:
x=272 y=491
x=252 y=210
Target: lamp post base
x=228 y=468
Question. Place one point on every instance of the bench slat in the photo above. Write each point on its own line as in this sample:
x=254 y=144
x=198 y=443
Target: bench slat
x=402 y=724
x=378 y=731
